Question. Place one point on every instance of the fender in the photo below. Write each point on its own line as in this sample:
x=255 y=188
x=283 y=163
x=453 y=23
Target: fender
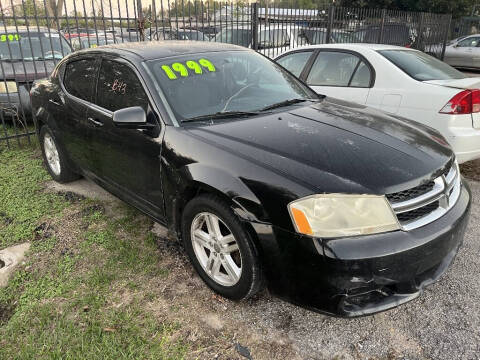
x=196 y=178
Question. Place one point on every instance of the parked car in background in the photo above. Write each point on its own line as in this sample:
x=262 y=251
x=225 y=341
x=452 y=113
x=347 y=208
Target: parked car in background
x=26 y=55
x=342 y=209
x=179 y=34
x=464 y=52
x=400 y=81
x=272 y=39
x=73 y=32
x=92 y=41
x=316 y=36
x=393 y=34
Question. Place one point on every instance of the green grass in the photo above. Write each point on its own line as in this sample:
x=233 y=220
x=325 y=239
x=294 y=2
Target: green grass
x=22 y=201
x=61 y=303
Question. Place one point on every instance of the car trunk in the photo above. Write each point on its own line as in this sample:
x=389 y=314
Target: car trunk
x=462 y=84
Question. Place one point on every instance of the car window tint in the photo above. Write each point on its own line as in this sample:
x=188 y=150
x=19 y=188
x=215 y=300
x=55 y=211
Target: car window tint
x=332 y=69
x=119 y=87
x=362 y=76
x=79 y=78
x=470 y=42
x=295 y=62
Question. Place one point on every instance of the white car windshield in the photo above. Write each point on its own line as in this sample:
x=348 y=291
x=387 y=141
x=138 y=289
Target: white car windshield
x=220 y=82
x=33 y=46
x=421 y=66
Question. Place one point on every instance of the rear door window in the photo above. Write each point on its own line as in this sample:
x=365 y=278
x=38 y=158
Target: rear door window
x=119 y=87
x=333 y=69
x=362 y=77
x=79 y=78
x=295 y=62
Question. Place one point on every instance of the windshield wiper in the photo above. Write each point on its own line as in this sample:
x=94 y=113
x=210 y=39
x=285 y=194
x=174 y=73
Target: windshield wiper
x=223 y=115
x=285 y=103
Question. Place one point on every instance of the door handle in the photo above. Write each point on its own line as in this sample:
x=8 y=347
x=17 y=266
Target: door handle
x=95 y=122
x=54 y=102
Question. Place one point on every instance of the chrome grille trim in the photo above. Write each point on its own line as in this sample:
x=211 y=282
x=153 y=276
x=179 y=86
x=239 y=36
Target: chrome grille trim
x=446 y=191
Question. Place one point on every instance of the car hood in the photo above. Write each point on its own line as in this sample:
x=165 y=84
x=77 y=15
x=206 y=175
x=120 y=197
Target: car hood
x=335 y=146
x=33 y=70
x=467 y=83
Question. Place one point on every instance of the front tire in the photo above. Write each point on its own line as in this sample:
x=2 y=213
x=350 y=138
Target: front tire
x=53 y=157
x=220 y=249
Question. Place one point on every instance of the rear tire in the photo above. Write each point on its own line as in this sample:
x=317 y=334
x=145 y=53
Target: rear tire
x=220 y=249
x=54 y=158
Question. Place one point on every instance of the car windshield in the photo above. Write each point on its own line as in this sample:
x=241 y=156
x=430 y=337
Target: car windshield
x=240 y=37
x=421 y=66
x=314 y=36
x=270 y=38
x=33 y=46
x=344 y=37
x=191 y=35
x=222 y=82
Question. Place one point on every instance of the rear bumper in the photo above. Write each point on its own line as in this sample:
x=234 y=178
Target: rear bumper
x=351 y=277
x=465 y=143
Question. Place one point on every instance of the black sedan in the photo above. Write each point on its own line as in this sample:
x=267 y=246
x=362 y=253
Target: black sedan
x=336 y=207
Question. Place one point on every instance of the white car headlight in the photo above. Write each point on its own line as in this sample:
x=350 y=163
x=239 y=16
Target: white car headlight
x=11 y=86
x=339 y=215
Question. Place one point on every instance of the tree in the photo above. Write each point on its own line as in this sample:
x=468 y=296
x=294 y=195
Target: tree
x=54 y=7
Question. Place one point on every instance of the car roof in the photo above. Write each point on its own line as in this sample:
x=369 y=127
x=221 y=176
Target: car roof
x=355 y=46
x=149 y=50
x=32 y=29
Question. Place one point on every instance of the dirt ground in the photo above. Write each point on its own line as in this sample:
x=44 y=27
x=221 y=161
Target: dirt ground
x=471 y=170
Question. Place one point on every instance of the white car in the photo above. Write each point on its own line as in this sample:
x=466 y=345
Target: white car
x=397 y=80
x=464 y=52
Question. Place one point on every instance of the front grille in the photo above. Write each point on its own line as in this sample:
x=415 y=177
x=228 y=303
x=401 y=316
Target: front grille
x=418 y=213
x=411 y=193
x=426 y=203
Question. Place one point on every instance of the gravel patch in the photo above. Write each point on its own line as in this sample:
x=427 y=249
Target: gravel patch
x=471 y=170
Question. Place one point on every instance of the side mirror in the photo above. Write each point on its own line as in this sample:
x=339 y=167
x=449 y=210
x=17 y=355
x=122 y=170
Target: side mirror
x=131 y=118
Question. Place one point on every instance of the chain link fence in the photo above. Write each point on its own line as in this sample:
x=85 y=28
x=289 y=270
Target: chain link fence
x=36 y=35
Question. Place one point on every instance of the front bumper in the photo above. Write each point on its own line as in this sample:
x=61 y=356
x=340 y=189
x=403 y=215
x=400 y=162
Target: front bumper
x=363 y=275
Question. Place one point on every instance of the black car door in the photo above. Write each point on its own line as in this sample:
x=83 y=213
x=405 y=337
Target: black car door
x=69 y=108
x=127 y=160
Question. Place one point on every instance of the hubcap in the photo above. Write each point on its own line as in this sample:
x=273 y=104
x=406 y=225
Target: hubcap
x=216 y=249
x=51 y=153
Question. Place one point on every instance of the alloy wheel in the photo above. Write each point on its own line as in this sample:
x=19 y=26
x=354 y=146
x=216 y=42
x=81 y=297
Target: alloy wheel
x=216 y=249
x=51 y=154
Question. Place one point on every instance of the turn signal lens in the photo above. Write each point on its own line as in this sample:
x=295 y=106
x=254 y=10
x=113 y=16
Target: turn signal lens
x=301 y=221
x=465 y=102
x=340 y=215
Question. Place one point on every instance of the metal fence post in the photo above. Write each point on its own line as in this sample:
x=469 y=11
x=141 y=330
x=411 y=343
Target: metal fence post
x=331 y=17
x=382 y=26
x=254 y=11
x=140 y=21
x=419 y=41
x=445 y=36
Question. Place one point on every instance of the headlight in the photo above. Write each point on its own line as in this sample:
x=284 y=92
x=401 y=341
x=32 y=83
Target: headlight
x=11 y=86
x=338 y=215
